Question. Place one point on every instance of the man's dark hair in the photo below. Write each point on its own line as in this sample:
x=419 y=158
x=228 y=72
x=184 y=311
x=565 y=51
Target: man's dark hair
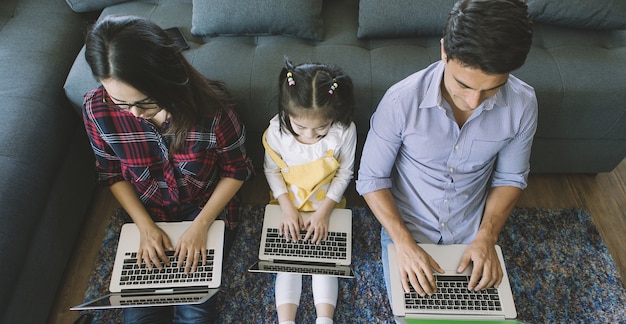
x=492 y=35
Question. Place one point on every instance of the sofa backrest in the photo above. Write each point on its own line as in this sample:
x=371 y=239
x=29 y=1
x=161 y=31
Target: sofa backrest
x=565 y=64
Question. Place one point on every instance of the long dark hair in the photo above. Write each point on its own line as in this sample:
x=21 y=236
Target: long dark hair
x=492 y=35
x=310 y=90
x=140 y=53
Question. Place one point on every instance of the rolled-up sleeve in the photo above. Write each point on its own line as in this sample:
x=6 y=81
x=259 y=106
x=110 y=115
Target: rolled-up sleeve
x=108 y=166
x=231 y=138
x=513 y=162
x=380 y=149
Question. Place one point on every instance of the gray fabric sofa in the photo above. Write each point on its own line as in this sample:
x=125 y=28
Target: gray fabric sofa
x=46 y=173
x=46 y=166
x=576 y=64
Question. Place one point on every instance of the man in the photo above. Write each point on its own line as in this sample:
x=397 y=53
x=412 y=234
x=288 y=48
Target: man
x=447 y=154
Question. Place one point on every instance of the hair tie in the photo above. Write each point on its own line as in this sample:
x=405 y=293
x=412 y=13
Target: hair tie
x=290 y=80
x=333 y=87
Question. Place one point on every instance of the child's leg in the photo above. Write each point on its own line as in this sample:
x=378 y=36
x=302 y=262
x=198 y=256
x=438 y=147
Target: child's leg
x=325 y=291
x=288 y=288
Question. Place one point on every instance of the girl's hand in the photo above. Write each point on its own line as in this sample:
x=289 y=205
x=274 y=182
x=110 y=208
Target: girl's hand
x=152 y=245
x=191 y=248
x=317 y=226
x=291 y=223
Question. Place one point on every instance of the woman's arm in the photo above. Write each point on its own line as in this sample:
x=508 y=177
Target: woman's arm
x=153 y=241
x=194 y=238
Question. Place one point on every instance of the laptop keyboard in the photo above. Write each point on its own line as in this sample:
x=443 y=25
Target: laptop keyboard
x=303 y=270
x=452 y=294
x=334 y=247
x=133 y=274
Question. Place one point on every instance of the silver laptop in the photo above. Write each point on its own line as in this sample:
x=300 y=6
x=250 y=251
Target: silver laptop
x=452 y=301
x=138 y=286
x=331 y=257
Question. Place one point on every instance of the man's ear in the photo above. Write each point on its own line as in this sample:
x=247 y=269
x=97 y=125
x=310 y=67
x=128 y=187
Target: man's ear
x=444 y=57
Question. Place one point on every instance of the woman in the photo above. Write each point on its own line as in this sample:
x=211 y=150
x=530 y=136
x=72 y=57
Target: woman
x=167 y=142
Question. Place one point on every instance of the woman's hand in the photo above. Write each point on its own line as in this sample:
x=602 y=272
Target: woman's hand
x=152 y=245
x=191 y=247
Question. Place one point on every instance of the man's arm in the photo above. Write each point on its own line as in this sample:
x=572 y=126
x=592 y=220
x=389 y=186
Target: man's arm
x=481 y=252
x=414 y=263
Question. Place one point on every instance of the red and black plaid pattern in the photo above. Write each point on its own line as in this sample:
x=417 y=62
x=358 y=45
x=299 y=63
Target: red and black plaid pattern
x=133 y=149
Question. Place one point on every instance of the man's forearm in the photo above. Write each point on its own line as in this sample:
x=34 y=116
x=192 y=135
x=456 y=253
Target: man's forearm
x=383 y=205
x=499 y=205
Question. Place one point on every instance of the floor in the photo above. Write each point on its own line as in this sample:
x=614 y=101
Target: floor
x=604 y=195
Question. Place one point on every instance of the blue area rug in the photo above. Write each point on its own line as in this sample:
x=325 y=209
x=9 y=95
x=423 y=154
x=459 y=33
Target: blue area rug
x=560 y=272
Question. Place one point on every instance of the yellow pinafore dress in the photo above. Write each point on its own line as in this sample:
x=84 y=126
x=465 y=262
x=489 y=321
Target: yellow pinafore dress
x=307 y=183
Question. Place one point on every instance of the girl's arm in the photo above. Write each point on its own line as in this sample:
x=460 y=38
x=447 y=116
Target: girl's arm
x=291 y=220
x=317 y=224
x=345 y=173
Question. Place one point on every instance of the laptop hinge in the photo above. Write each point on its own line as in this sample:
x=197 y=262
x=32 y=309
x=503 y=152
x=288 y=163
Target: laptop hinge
x=459 y=317
x=305 y=263
x=166 y=290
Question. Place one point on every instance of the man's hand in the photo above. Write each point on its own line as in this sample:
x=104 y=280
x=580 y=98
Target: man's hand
x=416 y=267
x=487 y=266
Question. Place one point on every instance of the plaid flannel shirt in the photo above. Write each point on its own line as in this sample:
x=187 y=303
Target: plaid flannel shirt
x=133 y=149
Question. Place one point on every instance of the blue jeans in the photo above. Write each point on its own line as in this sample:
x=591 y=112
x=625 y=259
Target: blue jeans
x=204 y=313
x=384 y=241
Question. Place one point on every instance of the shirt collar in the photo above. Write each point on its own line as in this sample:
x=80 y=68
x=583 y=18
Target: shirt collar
x=433 y=97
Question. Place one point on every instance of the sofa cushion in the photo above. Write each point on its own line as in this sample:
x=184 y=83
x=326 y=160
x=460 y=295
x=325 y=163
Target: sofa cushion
x=599 y=14
x=402 y=18
x=91 y=5
x=295 y=18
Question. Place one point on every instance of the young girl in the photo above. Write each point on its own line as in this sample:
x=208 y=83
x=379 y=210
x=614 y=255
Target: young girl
x=169 y=145
x=314 y=131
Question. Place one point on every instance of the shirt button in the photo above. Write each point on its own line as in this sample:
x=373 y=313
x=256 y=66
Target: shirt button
x=451 y=170
x=457 y=147
x=442 y=225
x=445 y=201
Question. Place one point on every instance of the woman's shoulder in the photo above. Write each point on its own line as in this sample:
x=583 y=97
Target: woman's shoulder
x=94 y=107
x=94 y=95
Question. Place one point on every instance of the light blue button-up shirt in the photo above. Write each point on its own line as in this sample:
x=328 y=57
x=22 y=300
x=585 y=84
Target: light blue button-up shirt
x=438 y=173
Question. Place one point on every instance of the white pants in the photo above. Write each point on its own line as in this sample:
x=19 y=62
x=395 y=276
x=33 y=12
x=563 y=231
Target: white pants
x=288 y=289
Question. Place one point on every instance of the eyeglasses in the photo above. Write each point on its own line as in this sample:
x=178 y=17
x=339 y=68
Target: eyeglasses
x=145 y=104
